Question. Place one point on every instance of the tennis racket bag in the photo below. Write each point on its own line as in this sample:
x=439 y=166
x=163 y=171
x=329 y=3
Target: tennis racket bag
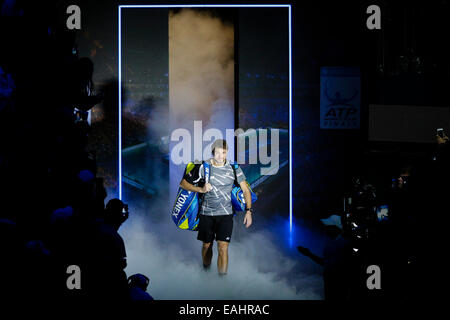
x=187 y=203
x=237 y=195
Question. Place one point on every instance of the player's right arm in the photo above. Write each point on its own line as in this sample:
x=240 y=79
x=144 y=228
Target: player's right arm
x=190 y=187
x=191 y=176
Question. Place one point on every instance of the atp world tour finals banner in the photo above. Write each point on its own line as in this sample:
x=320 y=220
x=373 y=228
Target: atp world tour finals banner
x=340 y=97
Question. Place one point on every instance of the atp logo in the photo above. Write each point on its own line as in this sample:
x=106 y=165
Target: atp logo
x=340 y=109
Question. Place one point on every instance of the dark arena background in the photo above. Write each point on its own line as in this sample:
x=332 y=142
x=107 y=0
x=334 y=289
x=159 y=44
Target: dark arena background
x=353 y=95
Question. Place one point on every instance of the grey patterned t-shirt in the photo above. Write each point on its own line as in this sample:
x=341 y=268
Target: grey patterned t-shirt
x=217 y=202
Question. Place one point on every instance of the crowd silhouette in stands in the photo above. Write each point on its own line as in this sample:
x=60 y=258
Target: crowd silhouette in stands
x=402 y=232
x=53 y=213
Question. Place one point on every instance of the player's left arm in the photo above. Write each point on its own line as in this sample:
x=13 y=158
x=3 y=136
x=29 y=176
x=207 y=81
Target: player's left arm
x=248 y=203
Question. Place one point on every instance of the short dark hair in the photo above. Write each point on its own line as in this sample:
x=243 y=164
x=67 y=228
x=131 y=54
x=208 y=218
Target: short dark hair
x=219 y=143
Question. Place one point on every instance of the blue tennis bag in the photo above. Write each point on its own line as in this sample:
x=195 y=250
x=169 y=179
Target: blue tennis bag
x=187 y=203
x=237 y=195
x=185 y=210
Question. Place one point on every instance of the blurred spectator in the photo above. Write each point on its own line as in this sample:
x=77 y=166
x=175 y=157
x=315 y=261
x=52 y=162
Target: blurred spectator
x=337 y=260
x=401 y=203
x=338 y=267
x=138 y=284
x=82 y=90
x=434 y=216
x=398 y=236
x=116 y=213
x=53 y=225
x=107 y=259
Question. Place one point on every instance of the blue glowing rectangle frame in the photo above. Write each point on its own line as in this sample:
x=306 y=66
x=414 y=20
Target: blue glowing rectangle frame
x=211 y=6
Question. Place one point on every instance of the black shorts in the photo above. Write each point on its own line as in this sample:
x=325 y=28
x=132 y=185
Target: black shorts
x=215 y=227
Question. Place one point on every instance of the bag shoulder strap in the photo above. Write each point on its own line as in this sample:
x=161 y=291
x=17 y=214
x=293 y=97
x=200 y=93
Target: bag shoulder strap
x=234 y=166
x=201 y=196
x=206 y=171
